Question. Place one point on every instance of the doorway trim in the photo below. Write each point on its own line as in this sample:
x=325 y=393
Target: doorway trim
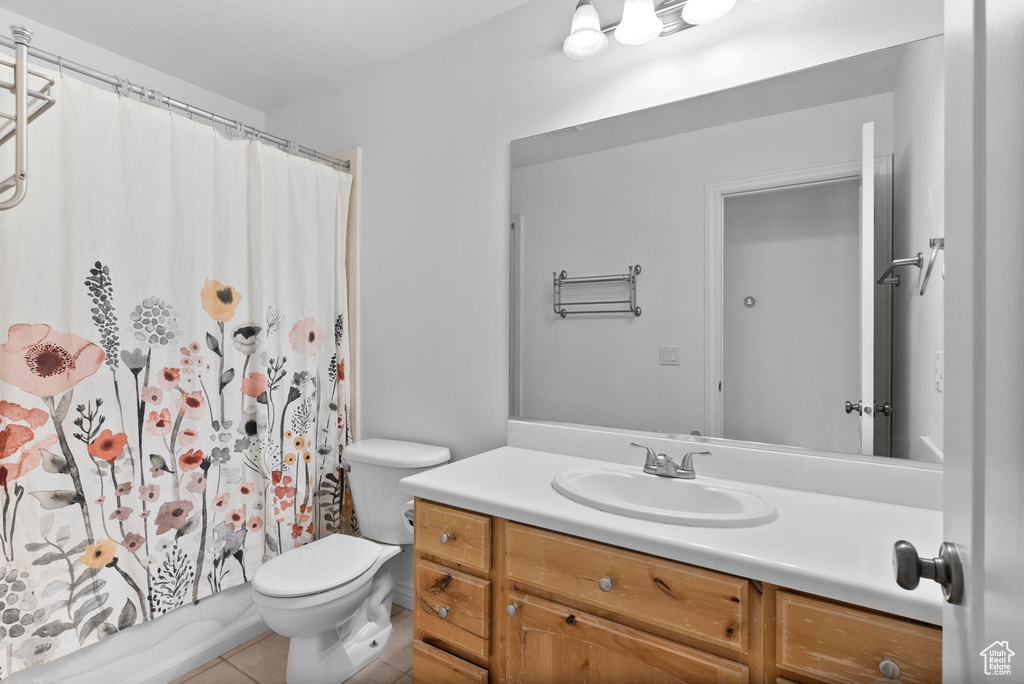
x=715 y=193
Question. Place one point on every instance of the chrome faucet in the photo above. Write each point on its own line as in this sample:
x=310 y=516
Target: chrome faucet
x=663 y=466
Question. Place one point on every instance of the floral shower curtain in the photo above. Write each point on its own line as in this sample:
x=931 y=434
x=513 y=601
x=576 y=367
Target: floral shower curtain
x=172 y=369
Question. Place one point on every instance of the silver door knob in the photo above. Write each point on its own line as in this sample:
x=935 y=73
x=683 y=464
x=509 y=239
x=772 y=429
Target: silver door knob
x=851 y=407
x=511 y=609
x=885 y=409
x=605 y=583
x=444 y=538
x=889 y=669
x=443 y=612
x=945 y=569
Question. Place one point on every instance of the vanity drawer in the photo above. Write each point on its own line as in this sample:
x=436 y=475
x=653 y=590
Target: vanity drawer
x=683 y=599
x=550 y=644
x=449 y=601
x=840 y=644
x=433 y=666
x=454 y=535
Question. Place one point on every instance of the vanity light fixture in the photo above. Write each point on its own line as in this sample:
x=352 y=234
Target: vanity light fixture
x=698 y=12
x=586 y=39
x=641 y=22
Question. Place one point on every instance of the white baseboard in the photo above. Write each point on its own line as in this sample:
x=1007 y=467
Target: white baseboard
x=403 y=594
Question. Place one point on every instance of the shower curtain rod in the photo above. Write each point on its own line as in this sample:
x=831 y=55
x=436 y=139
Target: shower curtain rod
x=153 y=96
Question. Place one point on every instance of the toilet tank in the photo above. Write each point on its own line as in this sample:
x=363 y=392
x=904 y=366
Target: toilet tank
x=375 y=468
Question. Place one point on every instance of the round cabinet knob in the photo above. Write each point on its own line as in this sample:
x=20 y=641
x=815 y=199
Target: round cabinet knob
x=443 y=538
x=511 y=610
x=889 y=669
x=443 y=612
x=605 y=583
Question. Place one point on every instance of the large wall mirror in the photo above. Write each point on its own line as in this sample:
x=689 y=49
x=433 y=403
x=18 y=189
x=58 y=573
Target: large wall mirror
x=762 y=264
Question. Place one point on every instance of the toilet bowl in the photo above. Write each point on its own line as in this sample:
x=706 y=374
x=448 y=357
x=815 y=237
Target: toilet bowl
x=332 y=597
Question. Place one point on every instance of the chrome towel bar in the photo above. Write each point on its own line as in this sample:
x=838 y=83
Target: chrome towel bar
x=560 y=280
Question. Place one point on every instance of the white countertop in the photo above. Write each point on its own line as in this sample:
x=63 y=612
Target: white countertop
x=831 y=546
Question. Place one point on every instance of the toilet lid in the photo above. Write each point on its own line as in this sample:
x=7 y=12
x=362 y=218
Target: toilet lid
x=316 y=567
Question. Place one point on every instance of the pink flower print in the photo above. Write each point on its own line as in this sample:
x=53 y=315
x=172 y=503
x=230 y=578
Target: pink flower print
x=149 y=492
x=159 y=424
x=152 y=395
x=168 y=378
x=191 y=459
x=254 y=523
x=220 y=503
x=198 y=483
x=190 y=404
x=133 y=541
x=44 y=362
x=247 y=490
x=187 y=436
x=194 y=347
x=121 y=513
x=235 y=519
x=306 y=337
x=156 y=472
x=254 y=384
x=124 y=489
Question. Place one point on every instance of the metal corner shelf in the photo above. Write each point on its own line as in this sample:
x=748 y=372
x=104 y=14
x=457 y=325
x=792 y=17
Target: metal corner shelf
x=563 y=309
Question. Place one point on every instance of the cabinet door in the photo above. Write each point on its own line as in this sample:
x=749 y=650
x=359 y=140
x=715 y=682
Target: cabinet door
x=552 y=644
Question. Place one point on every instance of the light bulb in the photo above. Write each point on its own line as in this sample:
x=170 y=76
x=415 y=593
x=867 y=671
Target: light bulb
x=639 y=23
x=705 y=11
x=585 y=38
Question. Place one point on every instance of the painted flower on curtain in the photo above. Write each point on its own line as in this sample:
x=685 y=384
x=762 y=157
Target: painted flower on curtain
x=158 y=473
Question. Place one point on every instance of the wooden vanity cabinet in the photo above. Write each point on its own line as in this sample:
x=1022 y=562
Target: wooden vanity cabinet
x=503 y=602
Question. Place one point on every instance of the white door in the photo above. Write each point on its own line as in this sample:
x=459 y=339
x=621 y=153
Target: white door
x=984 y=309
x=791 y=315
x=867 y=289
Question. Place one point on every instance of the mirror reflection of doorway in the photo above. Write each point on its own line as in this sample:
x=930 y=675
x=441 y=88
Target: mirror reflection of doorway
x=791 y=351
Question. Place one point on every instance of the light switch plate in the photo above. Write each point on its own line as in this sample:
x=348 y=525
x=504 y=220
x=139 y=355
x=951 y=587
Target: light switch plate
x=670 y=356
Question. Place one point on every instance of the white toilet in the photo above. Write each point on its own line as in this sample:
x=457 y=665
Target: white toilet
x=332 y=597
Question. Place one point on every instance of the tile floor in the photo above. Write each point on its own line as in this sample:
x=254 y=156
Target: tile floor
x=263 y=660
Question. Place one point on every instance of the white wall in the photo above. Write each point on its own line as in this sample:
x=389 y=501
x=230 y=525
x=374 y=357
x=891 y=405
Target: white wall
x=90 y=55
x=435 y=128
x=577 y=217
x=918 y=214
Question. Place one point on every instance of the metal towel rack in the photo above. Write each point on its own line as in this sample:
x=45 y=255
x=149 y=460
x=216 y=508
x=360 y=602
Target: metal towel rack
x=560 y=280
x=889 y=278
x=892 y=278
x=936 y=244
x=16 y=124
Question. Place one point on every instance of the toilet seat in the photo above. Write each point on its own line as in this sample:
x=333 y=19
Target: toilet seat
x=317 y=567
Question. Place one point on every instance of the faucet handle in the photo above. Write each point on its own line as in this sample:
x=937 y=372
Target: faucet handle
x=652 y=457
x=687 y=463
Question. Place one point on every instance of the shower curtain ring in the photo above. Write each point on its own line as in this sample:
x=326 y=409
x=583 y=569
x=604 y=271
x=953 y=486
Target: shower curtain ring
x=122 y=86
x=60 y=65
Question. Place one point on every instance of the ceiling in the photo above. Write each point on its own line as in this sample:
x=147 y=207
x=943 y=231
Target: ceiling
x=262 y=53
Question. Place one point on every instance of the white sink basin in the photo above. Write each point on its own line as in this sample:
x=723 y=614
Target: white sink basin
x=663 y=499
